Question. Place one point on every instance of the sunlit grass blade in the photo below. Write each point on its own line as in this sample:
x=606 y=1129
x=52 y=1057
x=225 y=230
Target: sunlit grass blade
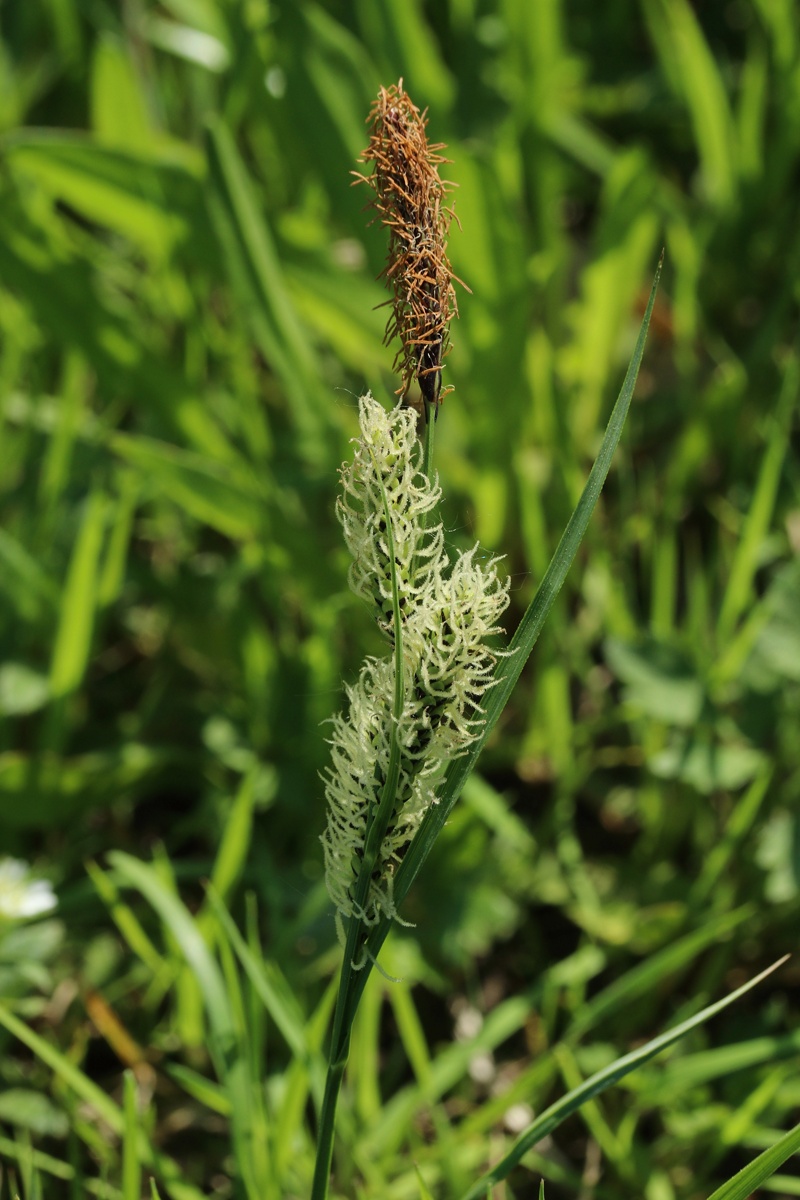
x=148 y=202
x=268 y=981
x=218 y=493
x=449 y=1066
x=646 y=976
x=721 y=1062
x=205 y=1091
x=694 y=74
x=70 y=1074
x=757 y=523
x=735 y=833
x=232 y=853
x=225 y=1042
x=760 y=1169
x=126 y=921
x=257 y=275
x=131 y=1162
x=553 y=1116
x=73 y=641
x=10 y=1150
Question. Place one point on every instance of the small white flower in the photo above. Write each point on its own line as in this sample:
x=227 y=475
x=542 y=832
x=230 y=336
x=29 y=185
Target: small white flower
x=20 y=895
x=447 y=611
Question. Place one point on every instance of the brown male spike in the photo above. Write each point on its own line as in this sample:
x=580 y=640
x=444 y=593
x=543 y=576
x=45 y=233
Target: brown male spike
x=410 y=201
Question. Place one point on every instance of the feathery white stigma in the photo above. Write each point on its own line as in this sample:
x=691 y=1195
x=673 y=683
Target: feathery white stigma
x=447 y=612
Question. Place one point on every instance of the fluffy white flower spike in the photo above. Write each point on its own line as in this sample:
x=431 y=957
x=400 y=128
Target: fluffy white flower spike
x=446 y=613
x=387 y=465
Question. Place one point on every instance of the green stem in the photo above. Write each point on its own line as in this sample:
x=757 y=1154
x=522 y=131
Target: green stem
x=322 y=1167
x=378 y=820
x=340 y=1048
x=427 y=445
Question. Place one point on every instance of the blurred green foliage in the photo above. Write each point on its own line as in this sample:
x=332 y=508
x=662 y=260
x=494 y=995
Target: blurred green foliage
x=188 y=307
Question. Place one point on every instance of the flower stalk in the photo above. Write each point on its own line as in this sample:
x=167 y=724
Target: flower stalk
x=413 y=711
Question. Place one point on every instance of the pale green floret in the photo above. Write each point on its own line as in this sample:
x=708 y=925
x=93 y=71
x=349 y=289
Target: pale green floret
x=388 y=456
x=448 y=613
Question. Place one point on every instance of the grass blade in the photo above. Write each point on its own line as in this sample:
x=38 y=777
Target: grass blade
x=553 y=1116
x=510 y=666
x=757 y=523
x=254 y=265
x=76 y=620
x=109 y=1112
x=760 y=1169
x=225 y=1042
x=131 y=1162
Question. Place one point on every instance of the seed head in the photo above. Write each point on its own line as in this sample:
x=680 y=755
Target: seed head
x=410 y=199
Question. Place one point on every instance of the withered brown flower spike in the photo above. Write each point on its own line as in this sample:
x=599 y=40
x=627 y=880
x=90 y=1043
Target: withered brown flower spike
x=410 y=199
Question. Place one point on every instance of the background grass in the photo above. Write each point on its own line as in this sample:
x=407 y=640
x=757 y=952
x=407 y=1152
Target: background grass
x=188 y=311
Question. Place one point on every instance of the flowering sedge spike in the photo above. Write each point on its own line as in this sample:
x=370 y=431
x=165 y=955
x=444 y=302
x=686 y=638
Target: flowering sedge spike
x=387 y=463
x=447 y=612
x=410 y=199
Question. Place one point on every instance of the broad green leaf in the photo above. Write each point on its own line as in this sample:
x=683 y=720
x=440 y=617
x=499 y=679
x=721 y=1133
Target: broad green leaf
x=661 y=680
x=21 y=689
x=33 y=1111
x=707 y=765
x=194 y=45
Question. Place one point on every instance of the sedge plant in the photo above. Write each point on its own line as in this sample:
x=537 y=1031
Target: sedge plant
x=416 y=718
x=414 y=723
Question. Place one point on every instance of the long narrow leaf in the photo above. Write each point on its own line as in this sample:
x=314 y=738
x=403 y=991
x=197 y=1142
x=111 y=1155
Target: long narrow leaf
x=253 y=262
x=510 y=666
x=131 y=1161
x=553 y=1116
x=270 y=986
x=109 y=1112
x=225 y=1042
x=760 y=1169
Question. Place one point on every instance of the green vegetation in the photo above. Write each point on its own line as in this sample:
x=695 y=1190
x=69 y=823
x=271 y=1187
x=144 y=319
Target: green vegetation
x=188 y=311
